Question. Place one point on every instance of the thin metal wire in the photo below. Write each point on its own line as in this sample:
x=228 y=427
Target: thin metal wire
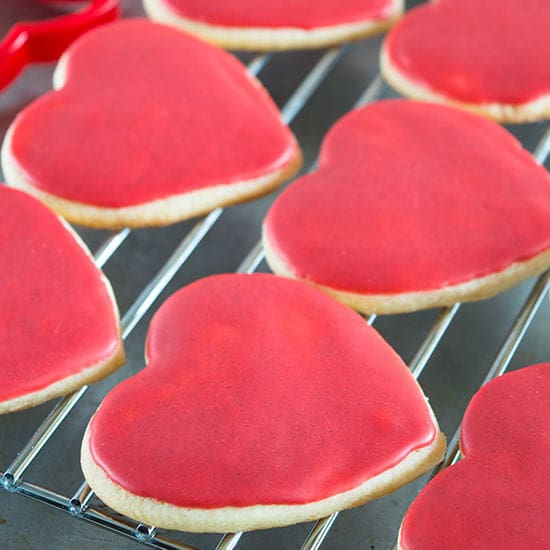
x=229 y=541
x=257 y=63
x=542 y=150
x=253 y=259
x=81 y=499
x=373 y=91
x=109 y=247
x=432 y=339
x=144 y=532
x=180 y=255
x=311 y=83
x=319 y=532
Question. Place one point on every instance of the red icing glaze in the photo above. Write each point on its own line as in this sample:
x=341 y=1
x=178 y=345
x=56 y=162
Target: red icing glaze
x=148 y=112
x=497 y=497
x=411 y=197
x=476 y=51
x=281 y=13
x=56 y=316
x=259 y=390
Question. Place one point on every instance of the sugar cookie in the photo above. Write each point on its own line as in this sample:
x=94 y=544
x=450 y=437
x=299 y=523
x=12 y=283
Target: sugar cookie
x=58 y=317
x=497 y=496
x=148 y=126
x=264 y=403
x=487 y=56
x=414 y=205
x=277 y=24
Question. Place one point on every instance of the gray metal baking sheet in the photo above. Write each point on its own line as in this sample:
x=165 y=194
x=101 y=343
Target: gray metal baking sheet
x=453 y=374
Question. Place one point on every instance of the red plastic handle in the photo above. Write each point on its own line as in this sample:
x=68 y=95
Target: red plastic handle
x=45 y=41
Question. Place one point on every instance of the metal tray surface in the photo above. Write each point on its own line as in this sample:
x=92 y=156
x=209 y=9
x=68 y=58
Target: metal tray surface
x=455 y=360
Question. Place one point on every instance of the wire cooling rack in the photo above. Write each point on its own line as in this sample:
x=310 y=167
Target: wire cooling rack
x=81 y=504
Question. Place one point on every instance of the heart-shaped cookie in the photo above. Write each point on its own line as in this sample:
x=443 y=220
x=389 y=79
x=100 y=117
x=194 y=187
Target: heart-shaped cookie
x=414 y=205
x=264 y=403
x=59 y=327
x=487 y=56
x=148 y=126
x=277 y=24
x=497 y=496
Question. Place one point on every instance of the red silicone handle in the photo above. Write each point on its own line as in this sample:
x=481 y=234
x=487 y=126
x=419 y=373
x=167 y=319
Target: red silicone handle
x=45 y=41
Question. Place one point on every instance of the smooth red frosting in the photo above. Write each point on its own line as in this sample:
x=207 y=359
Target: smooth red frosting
x=56 y=316
x=259 y=390
x=411 y=197
x=497 y=497
x=303 y=14
x=476 y=51
x=148 y=112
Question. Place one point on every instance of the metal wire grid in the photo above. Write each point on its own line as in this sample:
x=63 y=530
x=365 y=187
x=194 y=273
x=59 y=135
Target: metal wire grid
x=78 y=504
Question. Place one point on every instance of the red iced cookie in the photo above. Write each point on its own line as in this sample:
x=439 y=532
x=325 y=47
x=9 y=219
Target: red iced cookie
x=264 y=403
x=413 y=205
x=488 y=56
x=497 y=496
x=277 y=24
x=148 y=126
x=59 y=327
